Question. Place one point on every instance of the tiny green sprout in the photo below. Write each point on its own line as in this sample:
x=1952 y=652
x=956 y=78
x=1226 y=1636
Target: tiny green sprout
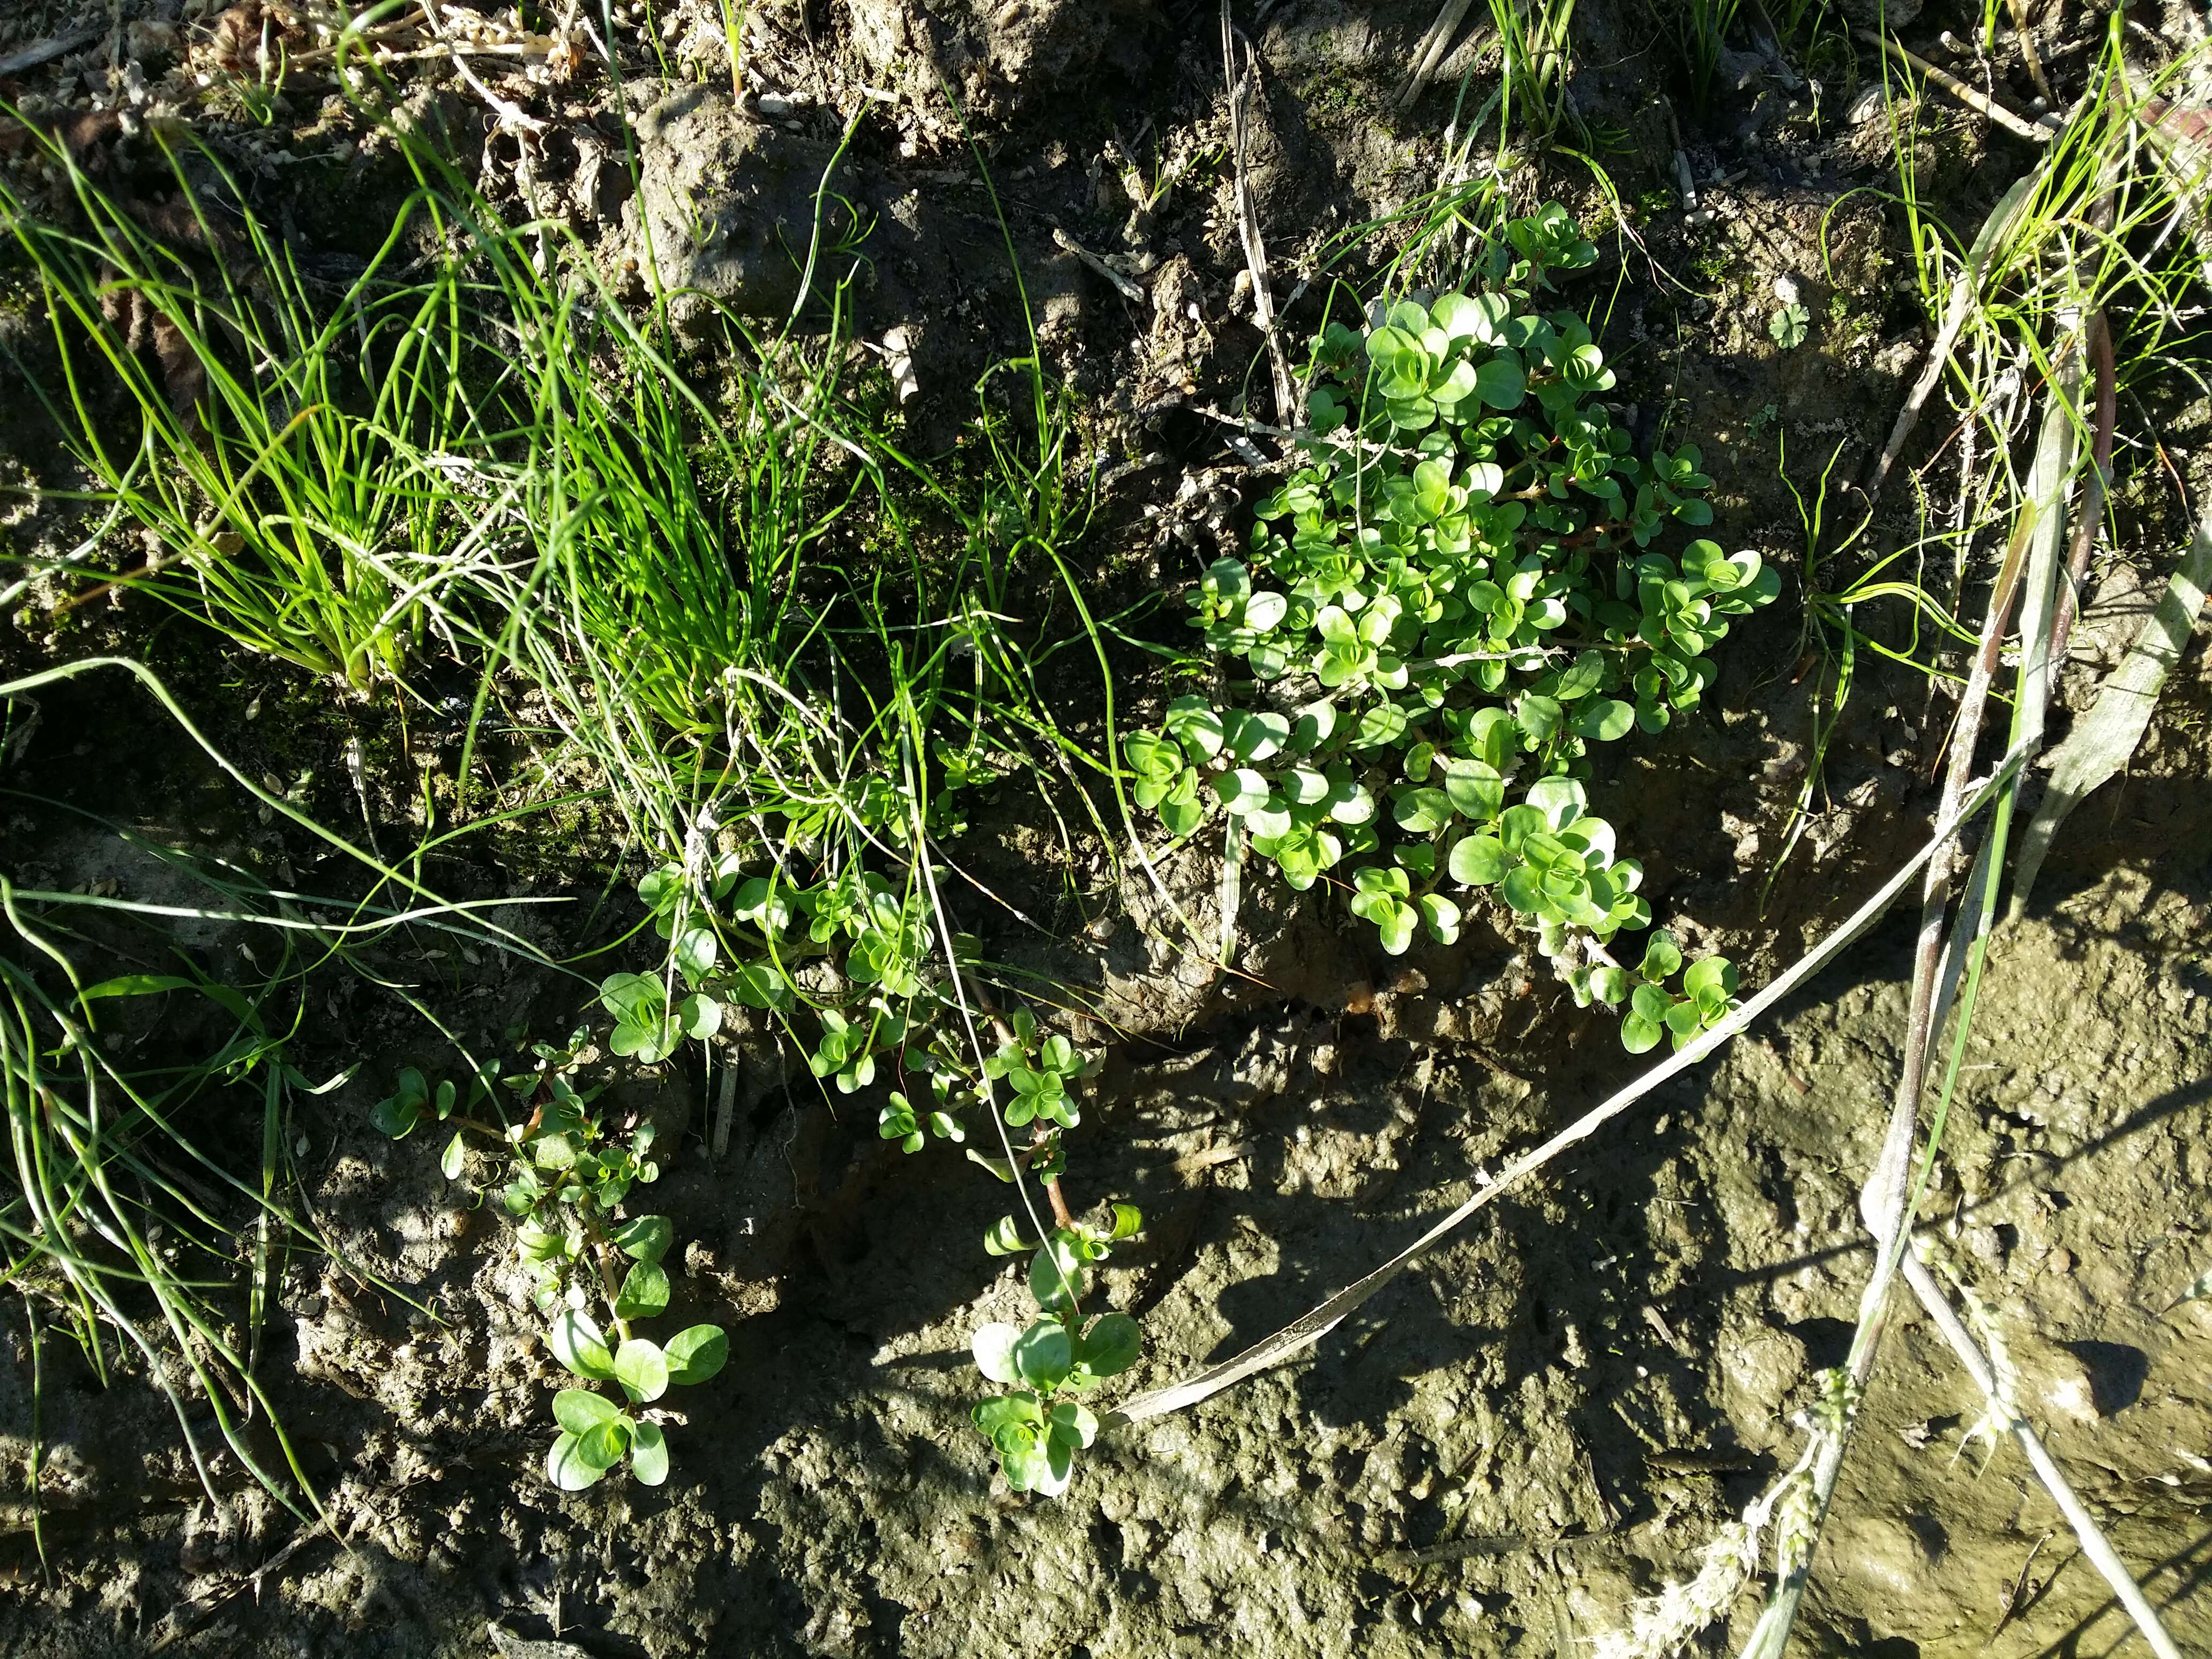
x=1788 y=326
x=597 y=1434
x=1042 y=1071
x=737 y=940
x=934 y=1094
x=1049 y=1364
x=411 y=1100
x=414 y=1100
x=1650 y=1011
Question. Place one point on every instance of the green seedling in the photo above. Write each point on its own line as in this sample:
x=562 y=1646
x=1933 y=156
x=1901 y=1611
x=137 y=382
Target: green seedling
x=411 y=1101
x=741 y=939
x=1443 y=612
x=1788 y=326
x=1708 y=993
x=1050 y=1364
x=569 y=1174
x=1042 y=1071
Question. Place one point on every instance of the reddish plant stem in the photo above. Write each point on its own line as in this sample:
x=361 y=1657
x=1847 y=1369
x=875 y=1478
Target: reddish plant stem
x=1040 y=1138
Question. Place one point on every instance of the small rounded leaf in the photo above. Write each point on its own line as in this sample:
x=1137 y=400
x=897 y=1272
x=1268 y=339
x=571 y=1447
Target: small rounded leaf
x=641 y=1369
x=1056 y=1276
x=993 y=1344
x=646 y=1237
x=1604 y=719
x=1662 y=956
x=1043 y=1355
x=1710 y=975
x=566 y=1468
x=1477 y=861
x=580 y=1410
x=696 y=1354
x=1074 y=1424
x=1110 y=1345
x=580 y=1345
x=648 y=1454
x=644 y=1291
x=695 y=952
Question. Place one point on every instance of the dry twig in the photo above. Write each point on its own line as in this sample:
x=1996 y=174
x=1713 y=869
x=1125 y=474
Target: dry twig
x=2094 y=1544
x=45 y=51
x=1303 y=1333
x=2019 y=126
x=2026 y=27
x=1965 y=290
x=1248 y=222
x=1431 y=50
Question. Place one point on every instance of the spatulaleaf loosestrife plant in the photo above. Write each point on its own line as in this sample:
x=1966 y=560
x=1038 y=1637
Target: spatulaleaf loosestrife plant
x=569 y=1172
x=1442 y=610
x=886 y=1013
x=745 y=940
x=1051 y=1363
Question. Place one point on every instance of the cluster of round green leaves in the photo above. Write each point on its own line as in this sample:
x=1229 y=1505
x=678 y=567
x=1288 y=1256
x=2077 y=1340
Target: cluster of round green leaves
x=413 y=1101
x=1443 y=610
x=1708 y=993
x=1048 y=1365
x=743 y=939
x=595 y=1433
x=566 y=1163
x=568 y=1175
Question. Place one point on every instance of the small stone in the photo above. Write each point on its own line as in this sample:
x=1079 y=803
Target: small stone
x=1787 y=289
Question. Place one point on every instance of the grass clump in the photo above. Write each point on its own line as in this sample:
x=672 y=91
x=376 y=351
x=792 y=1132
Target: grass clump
x=725 y=605
x=277 y=445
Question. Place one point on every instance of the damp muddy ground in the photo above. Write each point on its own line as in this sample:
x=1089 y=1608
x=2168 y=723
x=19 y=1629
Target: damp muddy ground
x=1551 y=1415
